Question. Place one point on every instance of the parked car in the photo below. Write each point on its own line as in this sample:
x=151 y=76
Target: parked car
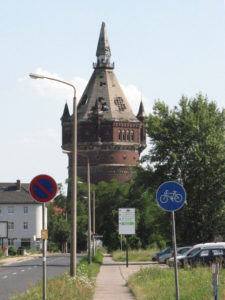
x=193 y=251
x=156 y=255
x=205 y=256
x=165 y=257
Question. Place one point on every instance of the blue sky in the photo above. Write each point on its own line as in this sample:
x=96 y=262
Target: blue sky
x=161 y=49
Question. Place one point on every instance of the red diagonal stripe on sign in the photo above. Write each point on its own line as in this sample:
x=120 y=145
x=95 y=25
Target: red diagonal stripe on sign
x=43 y=188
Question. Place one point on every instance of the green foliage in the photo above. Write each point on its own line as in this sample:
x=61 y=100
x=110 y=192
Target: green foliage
x=188 y=146
x=59 y=219
x=12 y=251
x=109 y=198
x=158 y=284
x=53 y=247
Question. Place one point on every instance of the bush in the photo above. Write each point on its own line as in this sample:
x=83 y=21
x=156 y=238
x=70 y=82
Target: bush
x=20 y=250
x=12 y=251
x=53 y=247
x=2 y=253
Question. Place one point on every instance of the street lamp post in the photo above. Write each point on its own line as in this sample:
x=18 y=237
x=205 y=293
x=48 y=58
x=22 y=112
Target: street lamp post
x=89 y=206
x=73 y=253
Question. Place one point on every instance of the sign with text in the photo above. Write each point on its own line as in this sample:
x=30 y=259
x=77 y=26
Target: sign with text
x=44 y=234
x=126 y=221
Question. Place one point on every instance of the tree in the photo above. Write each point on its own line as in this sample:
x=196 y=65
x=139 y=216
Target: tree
x=188 y=146
x=59 y=218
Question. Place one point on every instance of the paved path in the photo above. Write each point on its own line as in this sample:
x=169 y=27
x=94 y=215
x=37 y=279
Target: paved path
x=111 y=280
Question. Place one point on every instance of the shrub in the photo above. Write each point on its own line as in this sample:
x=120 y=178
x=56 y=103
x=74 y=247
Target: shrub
x=53 y=247
x=12 y=251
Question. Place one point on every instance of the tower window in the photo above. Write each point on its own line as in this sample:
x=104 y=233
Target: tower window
x=119 y=102
x=119 y=135
x=128 y=135
x=124 y=135
x=132 y=135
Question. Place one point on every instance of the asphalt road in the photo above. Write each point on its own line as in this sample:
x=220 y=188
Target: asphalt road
x=17 y=278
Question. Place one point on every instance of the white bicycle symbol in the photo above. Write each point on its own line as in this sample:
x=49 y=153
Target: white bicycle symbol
x=171 y=196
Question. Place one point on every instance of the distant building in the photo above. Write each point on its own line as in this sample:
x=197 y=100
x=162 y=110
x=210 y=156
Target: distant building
x=23 y=214
x=108 y=131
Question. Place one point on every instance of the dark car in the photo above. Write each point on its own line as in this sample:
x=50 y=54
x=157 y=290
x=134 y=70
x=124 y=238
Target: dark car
x=204 y=256
x=156 y=255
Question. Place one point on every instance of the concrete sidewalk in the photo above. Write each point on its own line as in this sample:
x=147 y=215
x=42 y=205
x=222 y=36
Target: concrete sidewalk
x=111 y=283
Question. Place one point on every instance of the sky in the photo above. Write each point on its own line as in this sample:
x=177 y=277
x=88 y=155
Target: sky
x=161 y=49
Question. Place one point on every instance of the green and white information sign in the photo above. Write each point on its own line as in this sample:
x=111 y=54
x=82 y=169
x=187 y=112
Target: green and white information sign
x=126 y=221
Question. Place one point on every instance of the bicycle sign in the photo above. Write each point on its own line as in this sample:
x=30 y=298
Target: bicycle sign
x=171 y=196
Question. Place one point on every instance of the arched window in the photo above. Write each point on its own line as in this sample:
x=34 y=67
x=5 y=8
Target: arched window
x=119 y=135
x=132 y=135
x=124 y=135
x=128 y=135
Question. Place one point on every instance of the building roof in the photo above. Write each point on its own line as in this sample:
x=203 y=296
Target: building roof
x=15 y=193
x=104 y=89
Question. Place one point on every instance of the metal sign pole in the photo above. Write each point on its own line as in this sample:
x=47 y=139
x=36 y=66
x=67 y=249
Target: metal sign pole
x=215 y=277
x=175 y=256
x=127 y=251
x=44 y=253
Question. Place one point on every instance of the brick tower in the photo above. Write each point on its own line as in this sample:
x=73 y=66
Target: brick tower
x=108 y=131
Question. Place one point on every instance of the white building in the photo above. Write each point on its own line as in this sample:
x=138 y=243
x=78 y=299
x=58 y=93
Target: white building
x=23 y=214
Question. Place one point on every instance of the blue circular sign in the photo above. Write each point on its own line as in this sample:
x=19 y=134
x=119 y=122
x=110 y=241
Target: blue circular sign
x=171 y=196
x=43 y=188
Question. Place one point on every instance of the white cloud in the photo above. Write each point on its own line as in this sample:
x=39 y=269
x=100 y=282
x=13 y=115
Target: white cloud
x=134 y=96
x=53 y=89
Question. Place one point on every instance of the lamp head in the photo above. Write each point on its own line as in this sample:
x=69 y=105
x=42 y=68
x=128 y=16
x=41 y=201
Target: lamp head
x=36 y=76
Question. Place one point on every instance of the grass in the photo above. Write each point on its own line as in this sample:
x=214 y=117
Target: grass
x=67 y=288
x=159 y=284
x=134 y=255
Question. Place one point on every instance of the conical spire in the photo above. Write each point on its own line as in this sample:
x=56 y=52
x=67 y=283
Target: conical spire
x=66 y=113
x=103 y=52
x=103 y=48
x=141 y=112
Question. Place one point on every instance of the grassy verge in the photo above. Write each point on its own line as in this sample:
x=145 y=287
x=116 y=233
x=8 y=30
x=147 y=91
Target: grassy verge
x=67 y=288
x=159 y=284
x=134 y=255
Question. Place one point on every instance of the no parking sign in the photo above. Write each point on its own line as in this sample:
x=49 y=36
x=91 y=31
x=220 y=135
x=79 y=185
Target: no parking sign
x=43 y=188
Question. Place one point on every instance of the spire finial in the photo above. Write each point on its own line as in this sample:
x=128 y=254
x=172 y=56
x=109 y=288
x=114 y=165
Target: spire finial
x=103 y=52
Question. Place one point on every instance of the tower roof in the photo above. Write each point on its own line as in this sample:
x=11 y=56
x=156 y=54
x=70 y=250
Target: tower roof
x=103 y=43
x=141 y=112
x=104 y=88
x=66 y=114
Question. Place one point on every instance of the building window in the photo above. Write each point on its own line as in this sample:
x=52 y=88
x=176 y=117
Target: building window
x=25 y=225
x=128 y=135
x=10 y=242
x=119 y=135
x=10 y=209
x=10 y=225
x=25 y=209
x=132 y=135
x=124 y=136
x=0 y=211
x=124 y=157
